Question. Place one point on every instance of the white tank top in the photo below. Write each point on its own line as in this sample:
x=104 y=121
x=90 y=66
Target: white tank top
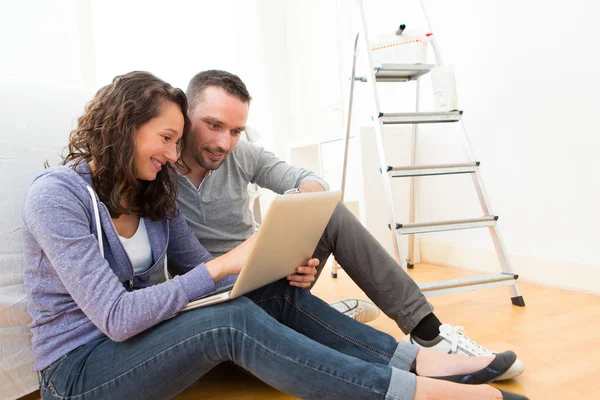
x=138 y=248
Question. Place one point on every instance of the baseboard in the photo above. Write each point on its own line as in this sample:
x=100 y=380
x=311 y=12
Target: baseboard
x=577 y=276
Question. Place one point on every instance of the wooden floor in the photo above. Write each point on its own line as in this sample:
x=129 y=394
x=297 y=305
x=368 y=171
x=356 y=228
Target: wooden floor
x=557 y=336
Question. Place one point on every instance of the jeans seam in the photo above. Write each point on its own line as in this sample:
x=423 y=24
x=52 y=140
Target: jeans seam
x=80 y=395
x=389 y=396
x=404 y=360
x=48 y=384
x=50 y=387
x=331 y=328
x=142 y=363
x=314 y=369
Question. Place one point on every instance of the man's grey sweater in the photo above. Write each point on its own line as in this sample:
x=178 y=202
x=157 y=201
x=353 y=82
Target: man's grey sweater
x=218 y=212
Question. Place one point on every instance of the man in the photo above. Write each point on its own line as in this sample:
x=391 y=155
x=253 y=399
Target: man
x=215 y=203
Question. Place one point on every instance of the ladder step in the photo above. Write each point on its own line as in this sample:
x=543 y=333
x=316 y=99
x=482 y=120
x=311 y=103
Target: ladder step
x=401 y=72
x=420 y=118
x=425 y=227
x=428 y=170
x=470 y=281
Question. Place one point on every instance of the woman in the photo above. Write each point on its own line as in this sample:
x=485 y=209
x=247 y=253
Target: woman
x=97 y=232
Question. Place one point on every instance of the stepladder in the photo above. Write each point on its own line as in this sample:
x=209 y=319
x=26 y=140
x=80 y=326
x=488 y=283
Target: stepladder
x=379 y=72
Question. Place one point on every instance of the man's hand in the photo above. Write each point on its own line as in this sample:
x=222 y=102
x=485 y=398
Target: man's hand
x=305 y=274
x=310 y=186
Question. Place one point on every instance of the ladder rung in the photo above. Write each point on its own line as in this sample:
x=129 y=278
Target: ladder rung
x=401 y=72
x=428 y=170
x=420 y=118
x=470 y=281
x=425 y=227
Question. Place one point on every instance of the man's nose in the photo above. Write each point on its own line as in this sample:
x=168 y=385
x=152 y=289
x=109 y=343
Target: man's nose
x=224 y=141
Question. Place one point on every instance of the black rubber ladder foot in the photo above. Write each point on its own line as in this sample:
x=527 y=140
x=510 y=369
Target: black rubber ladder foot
x=410 y=266
x=518 y=301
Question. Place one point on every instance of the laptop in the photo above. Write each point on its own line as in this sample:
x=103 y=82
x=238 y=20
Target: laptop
x=286 y=239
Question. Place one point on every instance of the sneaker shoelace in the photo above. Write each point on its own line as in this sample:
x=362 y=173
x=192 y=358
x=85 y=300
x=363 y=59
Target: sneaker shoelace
x=457 y=337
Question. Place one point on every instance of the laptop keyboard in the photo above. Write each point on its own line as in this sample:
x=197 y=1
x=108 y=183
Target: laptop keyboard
x=219 y=291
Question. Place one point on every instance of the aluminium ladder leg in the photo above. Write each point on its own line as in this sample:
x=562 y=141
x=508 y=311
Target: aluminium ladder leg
x=403 y=73
x=375 y=111
x=335 y=265
x=413 y=181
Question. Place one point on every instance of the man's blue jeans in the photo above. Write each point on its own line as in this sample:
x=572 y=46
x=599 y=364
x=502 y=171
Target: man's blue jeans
x=285 y=336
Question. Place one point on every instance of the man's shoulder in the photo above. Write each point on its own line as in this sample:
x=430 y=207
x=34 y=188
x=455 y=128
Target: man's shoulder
x=244 y=153
x=245 y=147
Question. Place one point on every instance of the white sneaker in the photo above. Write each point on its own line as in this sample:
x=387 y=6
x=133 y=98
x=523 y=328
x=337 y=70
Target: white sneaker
x=361 y=310
x=452 y=340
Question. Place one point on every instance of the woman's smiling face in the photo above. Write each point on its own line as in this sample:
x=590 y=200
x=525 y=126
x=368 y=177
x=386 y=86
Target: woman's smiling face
x=156 y=141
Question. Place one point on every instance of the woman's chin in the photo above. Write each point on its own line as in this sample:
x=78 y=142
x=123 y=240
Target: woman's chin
x=148 y=176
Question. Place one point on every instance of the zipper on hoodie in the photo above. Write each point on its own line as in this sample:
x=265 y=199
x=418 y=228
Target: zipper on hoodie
x=97 y=200
x=153 y=266
x=112 y=226
x=133 y=275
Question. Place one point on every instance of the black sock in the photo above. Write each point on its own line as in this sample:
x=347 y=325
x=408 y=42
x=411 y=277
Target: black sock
x=427 y=328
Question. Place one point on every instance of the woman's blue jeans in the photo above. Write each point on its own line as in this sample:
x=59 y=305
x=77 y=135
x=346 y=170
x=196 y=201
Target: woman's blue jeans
x=283 y=335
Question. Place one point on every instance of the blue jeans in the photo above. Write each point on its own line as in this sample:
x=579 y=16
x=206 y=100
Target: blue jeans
x=283 y=335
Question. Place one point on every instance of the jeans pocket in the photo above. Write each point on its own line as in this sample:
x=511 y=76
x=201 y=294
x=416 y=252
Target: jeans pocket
x=48 y=374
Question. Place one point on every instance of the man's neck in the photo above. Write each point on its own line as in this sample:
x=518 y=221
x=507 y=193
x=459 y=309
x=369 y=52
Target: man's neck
x=196 y=173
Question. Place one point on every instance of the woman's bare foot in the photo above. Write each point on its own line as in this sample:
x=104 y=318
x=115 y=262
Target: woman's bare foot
x=432 y=363
x=430 y=389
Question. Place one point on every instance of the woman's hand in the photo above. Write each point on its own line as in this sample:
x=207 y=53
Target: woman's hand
x=230 y=263
x=305 y=274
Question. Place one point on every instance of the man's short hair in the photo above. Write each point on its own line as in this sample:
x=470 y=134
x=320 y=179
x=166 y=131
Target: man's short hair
x=229 y=82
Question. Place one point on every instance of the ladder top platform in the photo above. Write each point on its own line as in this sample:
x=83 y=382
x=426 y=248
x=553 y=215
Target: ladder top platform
x=401 y=72
x=420 y=117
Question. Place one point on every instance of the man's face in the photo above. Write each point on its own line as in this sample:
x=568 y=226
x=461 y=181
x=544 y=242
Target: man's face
x=217 y=123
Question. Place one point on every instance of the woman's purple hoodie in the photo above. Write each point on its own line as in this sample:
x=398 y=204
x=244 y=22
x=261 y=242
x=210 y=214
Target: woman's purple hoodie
x=77 y=295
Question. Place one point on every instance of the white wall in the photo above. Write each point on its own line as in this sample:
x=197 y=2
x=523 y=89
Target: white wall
x=525 y=75
x=88 y=42
x=527 y=80
x=188 y=36
x=39 y=40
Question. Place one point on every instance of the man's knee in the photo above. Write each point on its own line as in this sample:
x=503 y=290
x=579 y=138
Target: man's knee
x=341 y=215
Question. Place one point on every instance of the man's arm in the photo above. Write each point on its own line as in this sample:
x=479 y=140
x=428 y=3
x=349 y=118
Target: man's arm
x=275 y=174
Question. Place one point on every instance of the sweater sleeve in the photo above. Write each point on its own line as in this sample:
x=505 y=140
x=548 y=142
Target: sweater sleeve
x=272 y=173
x=184 y=248
x=61 y=223
x=188 y=254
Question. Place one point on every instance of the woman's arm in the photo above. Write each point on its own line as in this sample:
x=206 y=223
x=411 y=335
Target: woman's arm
x=188 y=253
x=61 y=224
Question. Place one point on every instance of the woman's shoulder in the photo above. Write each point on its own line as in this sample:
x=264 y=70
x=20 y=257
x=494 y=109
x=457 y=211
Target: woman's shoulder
x=60 y=181
x=56 y=194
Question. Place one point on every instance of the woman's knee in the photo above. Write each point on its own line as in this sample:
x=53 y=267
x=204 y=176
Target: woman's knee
x=223 y=315
x=242 y=313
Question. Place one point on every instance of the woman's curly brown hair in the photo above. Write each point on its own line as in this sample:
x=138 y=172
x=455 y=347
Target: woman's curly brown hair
x=105 y=134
